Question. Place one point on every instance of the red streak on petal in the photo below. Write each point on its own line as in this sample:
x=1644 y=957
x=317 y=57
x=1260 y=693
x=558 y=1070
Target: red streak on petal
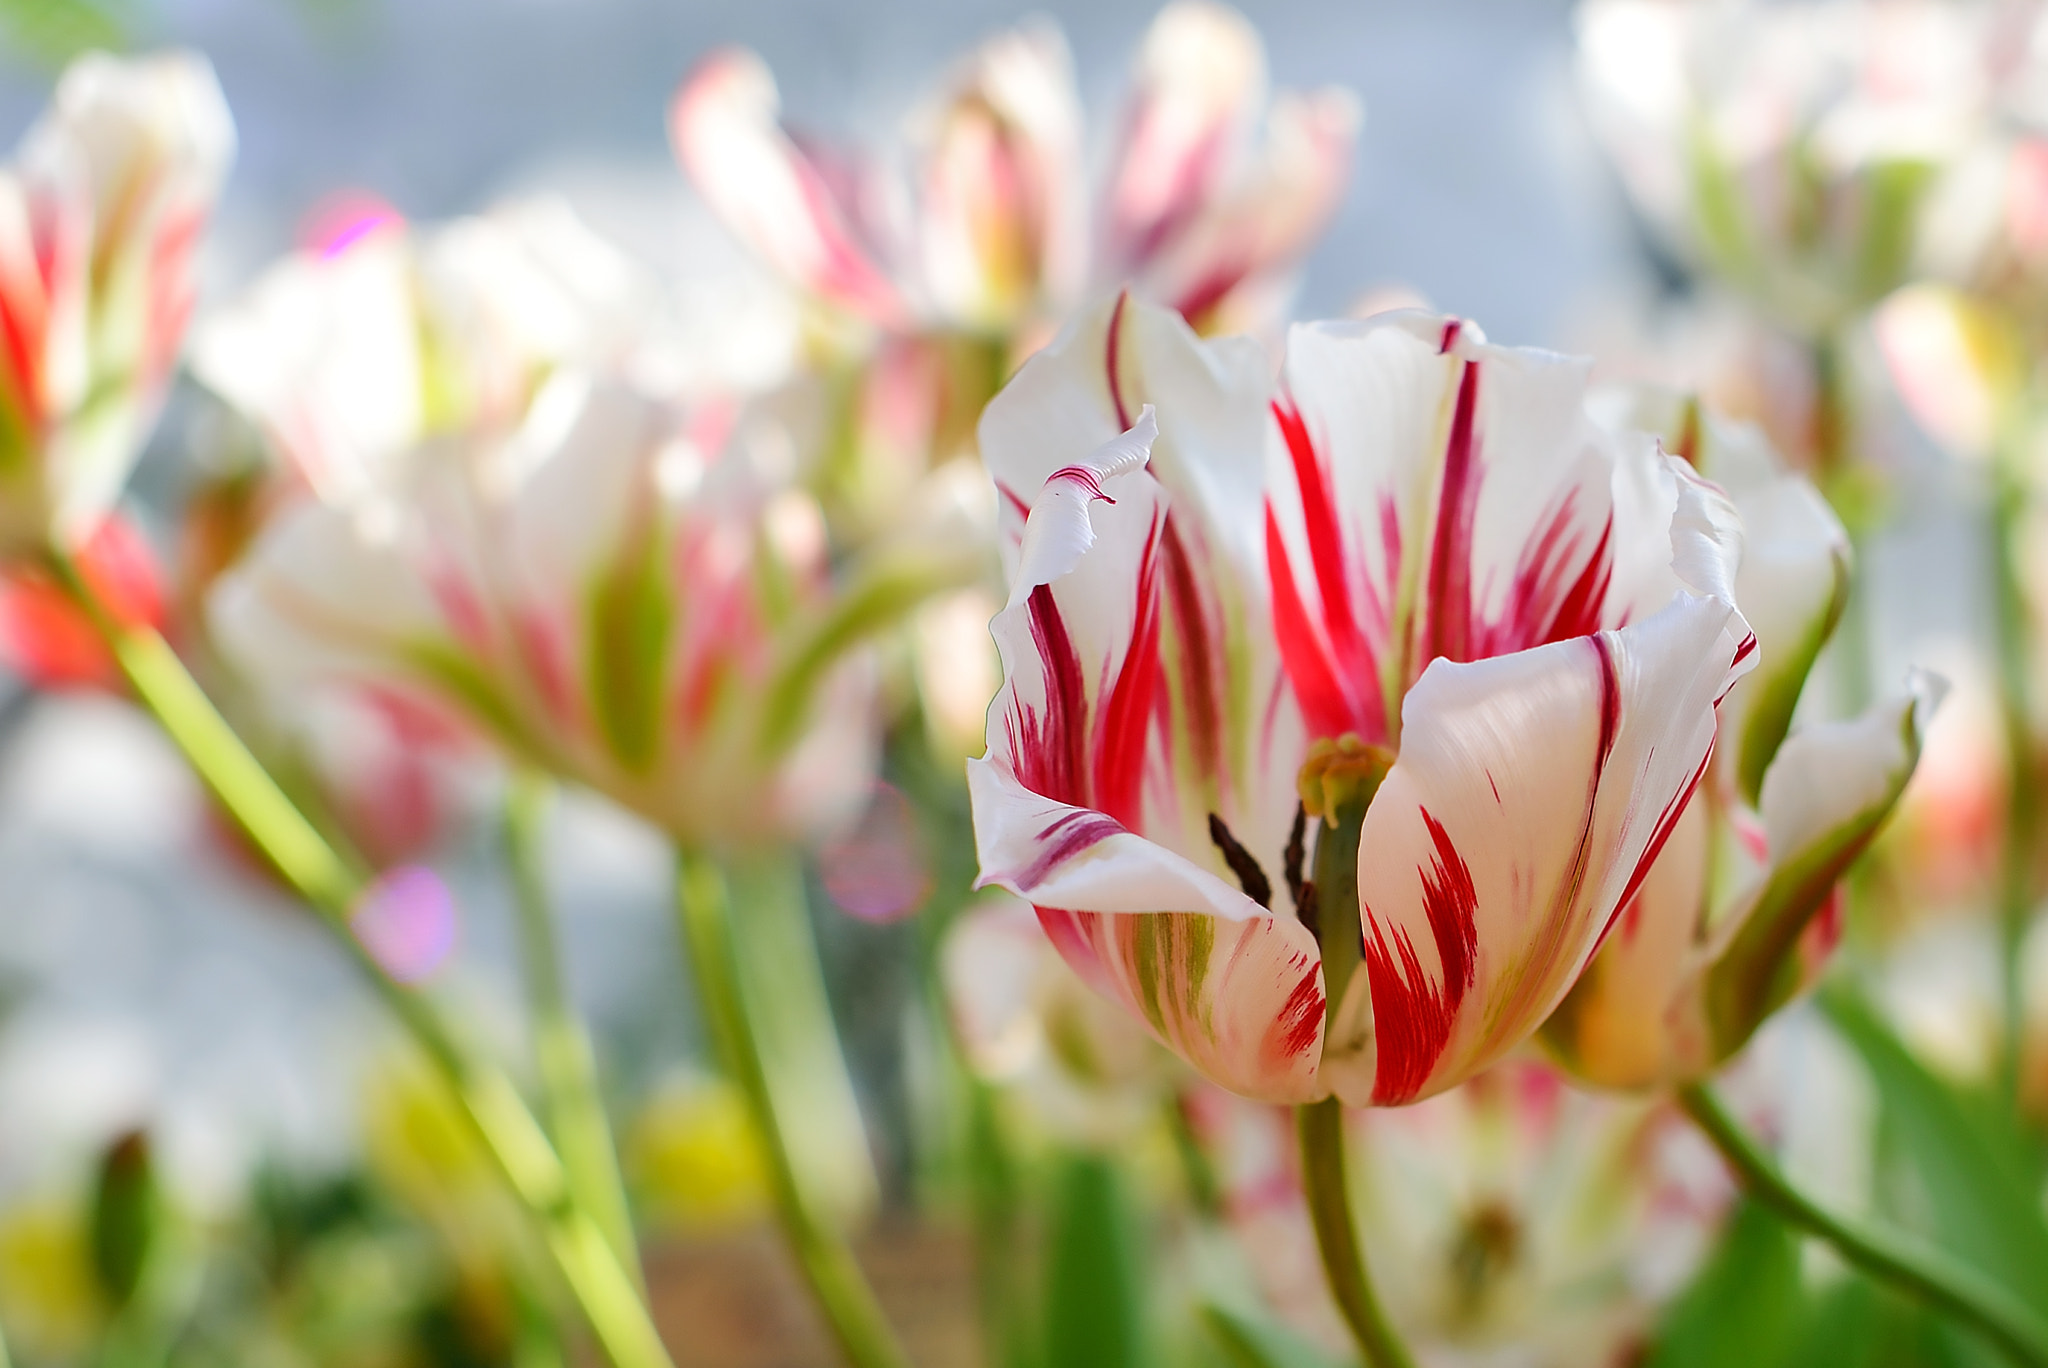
x=1413 y=1016
x=1053 y=763
x=1448 y=608
x=1667 y=822
x=1112 y=361
x=1349 y=670
x=1323 y=704
x=1300 y=1021
x=1200 y=667
x=1452 y=327
x=1063 y=838
x=1125 y=726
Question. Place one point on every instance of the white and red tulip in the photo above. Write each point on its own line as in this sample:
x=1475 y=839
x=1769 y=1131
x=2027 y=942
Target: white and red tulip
x=101 y=213
x=1417 y=541
x=1740 y=911
x=989 y=231
x=609 y=590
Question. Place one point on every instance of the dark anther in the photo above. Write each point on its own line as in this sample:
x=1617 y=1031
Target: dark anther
x=1305 y=910
x=1253 y=879
x=1297 y=852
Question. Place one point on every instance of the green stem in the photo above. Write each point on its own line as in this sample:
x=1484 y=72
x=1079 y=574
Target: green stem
x=1320 y=1125
x=703 y=902
x=1928 y=1272
x=571 y=1100
x=499 y=1116
x=2015 y=891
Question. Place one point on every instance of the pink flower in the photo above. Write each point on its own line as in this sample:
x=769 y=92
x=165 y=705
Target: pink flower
x=100 y=217
x=1416 y=545
x=989 y=231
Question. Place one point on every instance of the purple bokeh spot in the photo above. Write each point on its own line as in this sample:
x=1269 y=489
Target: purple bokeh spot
x=406 y=921
x=878 y=871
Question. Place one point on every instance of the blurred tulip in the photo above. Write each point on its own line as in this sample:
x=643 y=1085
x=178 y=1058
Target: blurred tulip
x=1509 y=1222
x=1086 y=1073
x=1789 y=149
x=100 y=220
x=989 y=232
x=1739 y=911
x=609 y=590
x=1417 y=565
x=355 y=355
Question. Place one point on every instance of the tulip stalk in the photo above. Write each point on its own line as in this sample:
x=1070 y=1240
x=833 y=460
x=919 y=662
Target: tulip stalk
x=572 y=1102
x=1319 y=1126
x=704 y=904
x=1923 y=1270
x=590 y=1267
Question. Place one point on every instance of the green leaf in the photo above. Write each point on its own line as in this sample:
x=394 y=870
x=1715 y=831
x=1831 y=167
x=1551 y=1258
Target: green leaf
x=1249 y=1341
x=1981 y=1173
x=126 y=1217
x=1745 y=1305
x=1094 y=1277
x=52 y=32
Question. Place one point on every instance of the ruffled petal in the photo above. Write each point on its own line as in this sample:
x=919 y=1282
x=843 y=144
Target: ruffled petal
x=1077 y=806
x=1226 y=736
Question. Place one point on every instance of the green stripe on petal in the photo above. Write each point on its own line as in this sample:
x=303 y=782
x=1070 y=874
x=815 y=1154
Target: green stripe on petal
x=629 y=615
x=1876 y=754
x=1774 y=690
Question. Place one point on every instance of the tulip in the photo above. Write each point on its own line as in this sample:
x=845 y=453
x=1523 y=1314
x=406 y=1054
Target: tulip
x=1741 y=909
x=1789 y=150
x=989 y=233
x=1516 y=1219
x=352 y=356
x=1414 y=594
x=606 y=591
x=100 y=217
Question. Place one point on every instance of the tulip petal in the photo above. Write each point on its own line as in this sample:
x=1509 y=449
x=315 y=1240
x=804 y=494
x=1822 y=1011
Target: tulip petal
x=1431 y=495
x=774 y=197
x=1826 y=795
x=1532 y=796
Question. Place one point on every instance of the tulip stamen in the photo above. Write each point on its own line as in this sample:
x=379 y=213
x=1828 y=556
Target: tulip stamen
x=1242 y=863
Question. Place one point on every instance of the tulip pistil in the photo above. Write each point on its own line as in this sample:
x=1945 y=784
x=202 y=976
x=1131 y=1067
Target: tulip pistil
x=1341 y=772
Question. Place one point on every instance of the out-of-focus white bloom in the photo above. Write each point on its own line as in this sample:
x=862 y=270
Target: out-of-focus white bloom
x=101 y=214
x=988 y=230
x=1084 y=1071
x=1789 y=148
x=352 y=356
x=1512 y=1223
